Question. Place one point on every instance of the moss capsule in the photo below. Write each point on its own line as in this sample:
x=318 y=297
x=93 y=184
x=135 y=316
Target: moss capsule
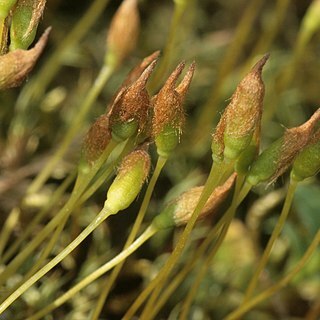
x=132 y=173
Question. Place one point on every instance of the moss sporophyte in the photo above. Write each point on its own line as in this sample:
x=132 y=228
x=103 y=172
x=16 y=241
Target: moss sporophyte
x=279 y=156
x=124 y=189
x=241 y=117
x=168 y=113
x=129 y=112
x=123 y=33
x=134 y=125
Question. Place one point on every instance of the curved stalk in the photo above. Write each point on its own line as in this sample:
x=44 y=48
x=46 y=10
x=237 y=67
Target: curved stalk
x=34 y=90
x=82 y=182
x=214 y=179
x=108 y=283
x=95 y=90
x=280 y=284
x=29 y=229
x=165 y=295
x=8 y=227
x=276 y=232
x=149 y=232
x=209 y=110
x=168 y=52
x=104 y=213
x=228 y=216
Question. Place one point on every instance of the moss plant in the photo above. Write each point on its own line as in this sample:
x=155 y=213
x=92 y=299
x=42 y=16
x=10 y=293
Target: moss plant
x=222 y=113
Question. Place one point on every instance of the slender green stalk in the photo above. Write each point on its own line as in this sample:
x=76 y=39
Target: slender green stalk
x=243 y=192
x=34 y=89
x=174 y=283
x=108 y=283
x=242 y=34
x=214 y=176
x=168 y=52
x=276 y=232
x=280 y=284
x=38 y=240
x=265 y=40
x=139 y=301
x=40 y=261
x=193 y=291
x=82 y=182
x=77 y=123
x=176 y=280
x=47 y=250
x=30 y=228
x=104 y=213
x=300 y=45
x=298 y=53
x=149 y=232
x=214 y=179
x=8 y=227
x=228 y=216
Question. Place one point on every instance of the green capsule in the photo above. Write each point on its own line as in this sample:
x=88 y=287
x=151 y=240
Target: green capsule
x=167 y=140
x=245 y=159
x=126 y=186
x=129 y=111
x=25 y=19
x=235 y=146
x=267 y=163
x=307 y=163
x=121 y=131
x=276 y=159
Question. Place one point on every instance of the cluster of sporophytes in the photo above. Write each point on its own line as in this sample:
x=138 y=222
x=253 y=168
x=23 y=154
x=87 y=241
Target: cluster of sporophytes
x=138 y=133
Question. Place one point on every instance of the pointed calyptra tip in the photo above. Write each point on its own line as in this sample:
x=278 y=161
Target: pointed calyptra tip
x=129 y=112
x=135 y=73
x=172 y=79
x=260 y=64
x=296 y=138
x=144 y=77
x=183 y=87
x=147 y=60
x=313 y=121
